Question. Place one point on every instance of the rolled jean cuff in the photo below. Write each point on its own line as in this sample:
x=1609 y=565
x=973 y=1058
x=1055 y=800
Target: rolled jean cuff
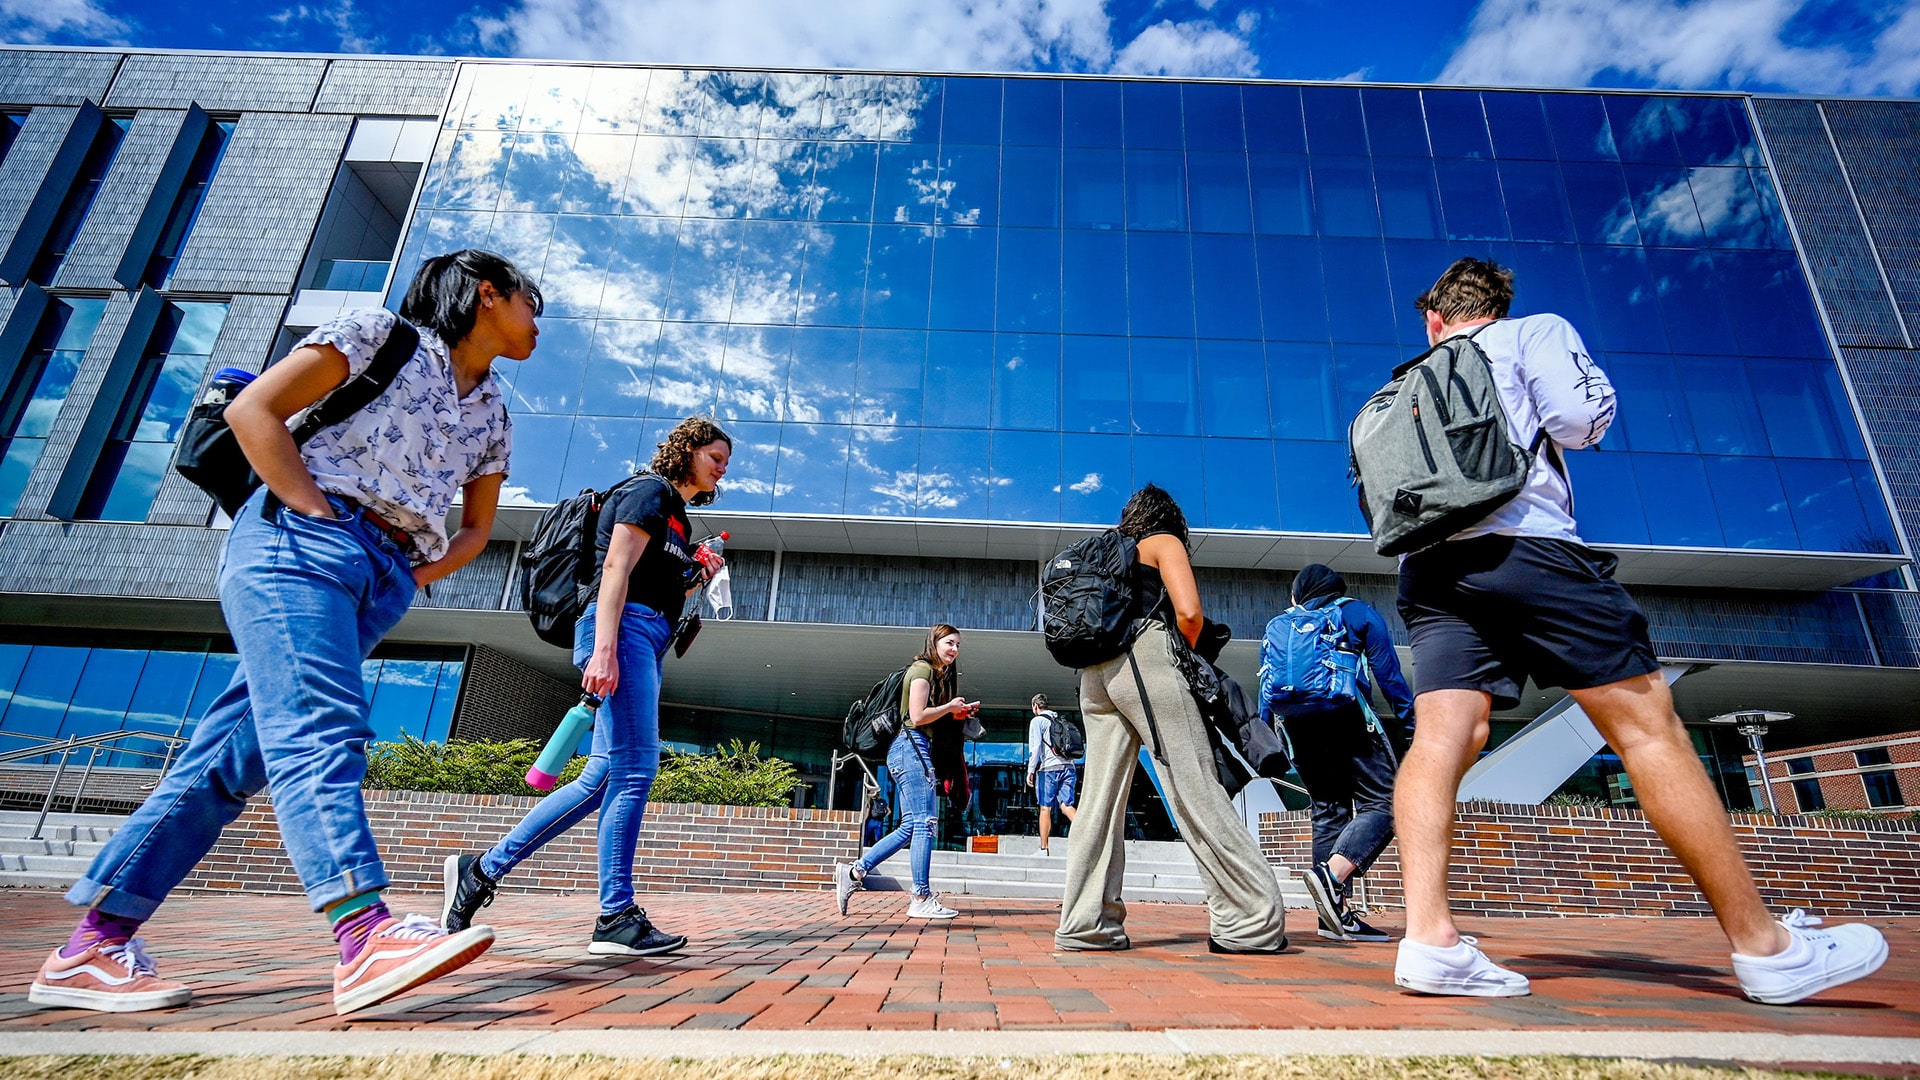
x=352 y=881
x=88 y=893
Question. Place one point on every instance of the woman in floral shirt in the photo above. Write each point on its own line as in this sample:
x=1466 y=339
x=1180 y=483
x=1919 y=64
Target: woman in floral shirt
x=322 y=561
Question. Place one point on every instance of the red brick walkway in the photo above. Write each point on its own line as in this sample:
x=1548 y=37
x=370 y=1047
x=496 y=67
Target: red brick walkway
x=785 y=960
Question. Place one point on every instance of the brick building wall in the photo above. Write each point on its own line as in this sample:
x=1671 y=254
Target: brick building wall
x=1839 y=774
x=683 y=848
x=1548 y=860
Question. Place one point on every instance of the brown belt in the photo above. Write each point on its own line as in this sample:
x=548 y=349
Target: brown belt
x=392 y=532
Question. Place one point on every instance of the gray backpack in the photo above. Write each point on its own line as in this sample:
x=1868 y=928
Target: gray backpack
x=1431 y=450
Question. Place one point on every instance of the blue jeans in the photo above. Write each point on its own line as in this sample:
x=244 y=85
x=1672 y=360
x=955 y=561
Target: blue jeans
x=620 y=771
x=909 y=762
x=306 y=600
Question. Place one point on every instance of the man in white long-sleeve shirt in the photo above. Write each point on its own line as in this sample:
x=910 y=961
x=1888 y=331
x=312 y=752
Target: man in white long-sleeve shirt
x=1517 y=595
x=1057 y=782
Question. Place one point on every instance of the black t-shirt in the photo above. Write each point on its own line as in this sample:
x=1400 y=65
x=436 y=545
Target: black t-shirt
x=659 y=580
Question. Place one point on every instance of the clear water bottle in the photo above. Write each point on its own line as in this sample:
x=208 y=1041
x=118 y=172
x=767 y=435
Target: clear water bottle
x=720 y=585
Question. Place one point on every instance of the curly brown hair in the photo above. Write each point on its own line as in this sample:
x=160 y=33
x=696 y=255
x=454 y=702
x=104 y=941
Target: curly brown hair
x=673 y=458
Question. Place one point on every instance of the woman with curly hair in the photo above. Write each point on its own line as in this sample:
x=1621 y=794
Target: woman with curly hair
x=647 y=571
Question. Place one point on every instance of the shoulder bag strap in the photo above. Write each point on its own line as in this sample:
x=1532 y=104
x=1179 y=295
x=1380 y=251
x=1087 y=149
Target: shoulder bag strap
x=359 y=392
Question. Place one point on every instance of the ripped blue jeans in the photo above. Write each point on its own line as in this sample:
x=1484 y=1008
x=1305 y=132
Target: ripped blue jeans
x=909 y=762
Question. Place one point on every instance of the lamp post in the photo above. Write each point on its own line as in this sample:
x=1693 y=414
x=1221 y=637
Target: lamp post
x=1753 y=724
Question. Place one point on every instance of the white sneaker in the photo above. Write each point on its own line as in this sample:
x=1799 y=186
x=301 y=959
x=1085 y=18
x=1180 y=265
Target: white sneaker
x=929 y=907
x=1817 y=960
x=1462 y=971
x=845 y=880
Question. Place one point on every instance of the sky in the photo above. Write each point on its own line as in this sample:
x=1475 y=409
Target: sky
x=1867 y=47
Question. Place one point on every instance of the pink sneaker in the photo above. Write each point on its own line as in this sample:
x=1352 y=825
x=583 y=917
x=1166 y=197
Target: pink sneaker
x=111 y=976
x=400 y=955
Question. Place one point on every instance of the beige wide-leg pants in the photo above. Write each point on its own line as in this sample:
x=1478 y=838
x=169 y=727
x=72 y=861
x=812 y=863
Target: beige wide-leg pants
x=1243 y=900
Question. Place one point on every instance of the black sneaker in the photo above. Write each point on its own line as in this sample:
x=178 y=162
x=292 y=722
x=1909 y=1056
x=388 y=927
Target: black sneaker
x=630 y=934
x=1329 y=902
x=1356 y=930
x=465 y=890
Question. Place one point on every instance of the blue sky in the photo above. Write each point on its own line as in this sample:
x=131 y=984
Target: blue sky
x=1813 y=46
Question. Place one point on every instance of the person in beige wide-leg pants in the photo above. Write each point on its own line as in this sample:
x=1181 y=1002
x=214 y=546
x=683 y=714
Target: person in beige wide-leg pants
x=1243 y=900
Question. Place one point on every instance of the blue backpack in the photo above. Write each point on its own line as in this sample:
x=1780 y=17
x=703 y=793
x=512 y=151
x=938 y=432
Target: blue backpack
x=1307 y=662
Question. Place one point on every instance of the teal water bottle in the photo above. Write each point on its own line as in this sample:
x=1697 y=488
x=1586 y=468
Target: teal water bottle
x=559 y=750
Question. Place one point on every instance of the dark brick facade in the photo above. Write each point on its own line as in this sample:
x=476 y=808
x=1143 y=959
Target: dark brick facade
x=683 y=848
x=1548 y=860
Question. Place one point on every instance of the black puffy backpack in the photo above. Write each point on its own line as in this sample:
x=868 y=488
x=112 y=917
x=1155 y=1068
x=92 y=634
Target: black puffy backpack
x=557 y=566
x=874 y=720
x=1087 y=608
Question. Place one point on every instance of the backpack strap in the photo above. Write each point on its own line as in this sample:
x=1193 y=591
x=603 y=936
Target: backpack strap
x=1146 y=706
x=359 y=392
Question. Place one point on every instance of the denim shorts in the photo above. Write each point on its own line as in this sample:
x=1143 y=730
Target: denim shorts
x=1057 y=787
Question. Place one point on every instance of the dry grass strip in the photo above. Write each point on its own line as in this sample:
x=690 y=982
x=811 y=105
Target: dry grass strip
x=1089 y=1067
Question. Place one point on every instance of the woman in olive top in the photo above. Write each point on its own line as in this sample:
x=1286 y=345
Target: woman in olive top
x=930 y=678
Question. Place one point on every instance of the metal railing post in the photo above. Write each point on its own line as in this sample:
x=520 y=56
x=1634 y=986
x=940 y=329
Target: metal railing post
x=46 y=806
x=86 y=774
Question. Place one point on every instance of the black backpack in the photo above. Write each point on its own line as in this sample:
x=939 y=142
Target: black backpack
x=210 y=457
x=874 y=720
x=1065 y=738
x=1087 y=600
x=557 y=566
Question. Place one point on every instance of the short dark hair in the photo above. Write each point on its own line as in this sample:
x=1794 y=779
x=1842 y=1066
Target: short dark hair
x=673 y=458
x=1039 y=702
x=1470 y=289
x=1151 y=510
x=445 y=294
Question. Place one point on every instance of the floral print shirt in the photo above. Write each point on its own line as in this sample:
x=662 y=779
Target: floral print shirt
x=410 y=452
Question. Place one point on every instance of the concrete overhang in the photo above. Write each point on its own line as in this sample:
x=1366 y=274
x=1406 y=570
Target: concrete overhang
x=1727 y=568
x=815 y=670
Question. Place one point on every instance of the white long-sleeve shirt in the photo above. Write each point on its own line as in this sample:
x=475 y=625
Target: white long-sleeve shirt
x=1546 y=380
x=1040 y=755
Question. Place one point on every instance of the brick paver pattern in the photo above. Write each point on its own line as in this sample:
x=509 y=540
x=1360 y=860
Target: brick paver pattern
x=784 y=960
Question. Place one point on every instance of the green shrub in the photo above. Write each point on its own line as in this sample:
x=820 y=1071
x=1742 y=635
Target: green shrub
x=466 y=767
x=736 y=775
x=1865 y=815
x=1574 y=798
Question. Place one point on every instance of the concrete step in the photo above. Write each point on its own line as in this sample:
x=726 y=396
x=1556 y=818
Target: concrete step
x=36 y=879
x=19 y=846
x=48 y=864
x=1167 y=880
x=89 y=828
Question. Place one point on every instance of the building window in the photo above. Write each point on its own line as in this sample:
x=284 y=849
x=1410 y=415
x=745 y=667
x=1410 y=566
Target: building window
x=1883 y=789
x=55 y=685
x=1807 y=794
x=79 y=200
x=1871 y=756
x=9 y=130
x=30 y=402
x=140 y=445
x=1800 y=766
x=186 y=208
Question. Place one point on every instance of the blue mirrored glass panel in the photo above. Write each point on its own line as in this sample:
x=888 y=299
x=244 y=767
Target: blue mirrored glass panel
x=1395 y=126
x=972 y=112
x=1518 y=124
x=1015 y=298
x=1212 y=117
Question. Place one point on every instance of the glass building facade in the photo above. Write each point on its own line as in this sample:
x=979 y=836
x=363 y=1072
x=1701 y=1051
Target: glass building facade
x=164 y=684
x=1018 y=299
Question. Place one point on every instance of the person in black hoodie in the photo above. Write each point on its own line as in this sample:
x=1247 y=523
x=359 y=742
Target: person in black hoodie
x=1346 y=757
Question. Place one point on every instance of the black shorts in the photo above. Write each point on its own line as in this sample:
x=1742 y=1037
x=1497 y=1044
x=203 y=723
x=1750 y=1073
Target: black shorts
x=1490 y=612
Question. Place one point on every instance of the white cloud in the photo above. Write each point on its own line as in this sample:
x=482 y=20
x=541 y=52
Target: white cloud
x=339 y=19
x=1698 y=45
x=1189 y=48
x=932 y=35
x=31 y=22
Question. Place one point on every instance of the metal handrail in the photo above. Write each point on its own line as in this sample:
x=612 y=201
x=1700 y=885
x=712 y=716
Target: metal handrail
x=869 y=787
x=93 y=744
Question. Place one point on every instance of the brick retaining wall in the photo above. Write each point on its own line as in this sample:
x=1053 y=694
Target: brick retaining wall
x=683 y=847
x=1552 y=860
